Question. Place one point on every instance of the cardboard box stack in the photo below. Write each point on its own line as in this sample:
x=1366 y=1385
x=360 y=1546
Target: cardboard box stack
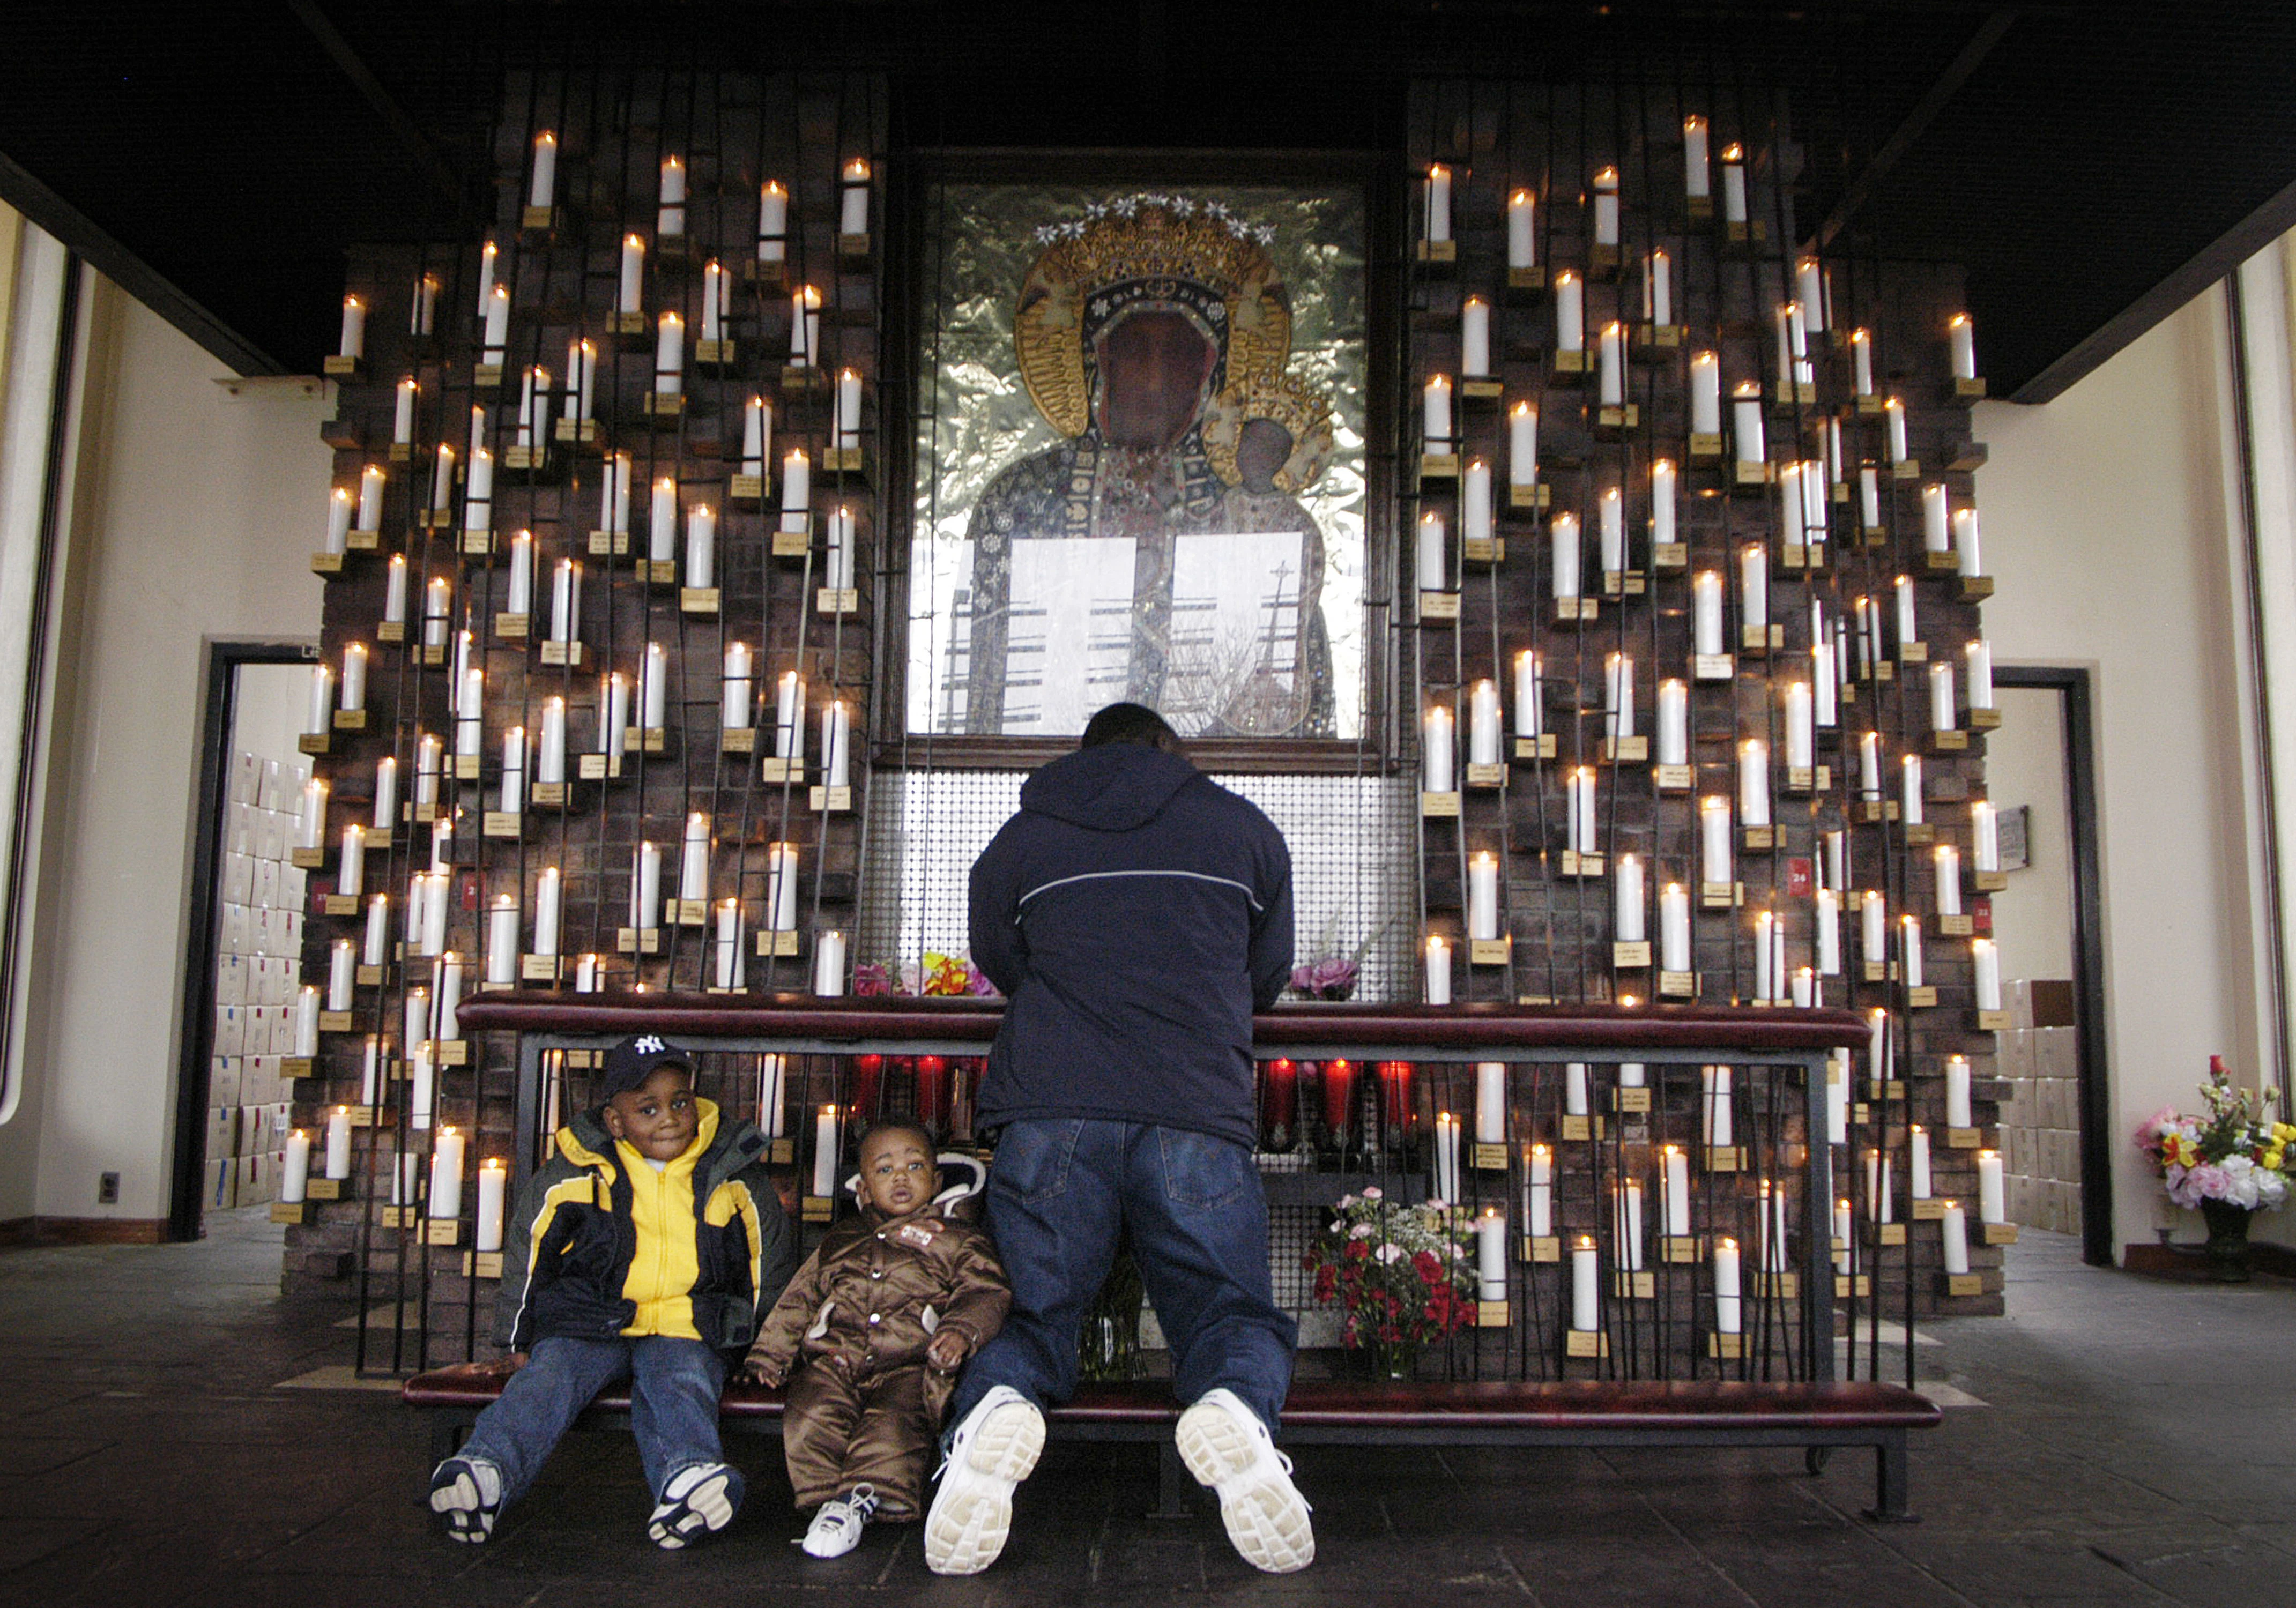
x=257 y=952
x=2040 y=1057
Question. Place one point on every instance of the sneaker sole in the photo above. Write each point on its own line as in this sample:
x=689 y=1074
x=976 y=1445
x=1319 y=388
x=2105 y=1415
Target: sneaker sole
x=461 y=1512
x=966 y=1529
x=1266 y=1521
x=677 y=1523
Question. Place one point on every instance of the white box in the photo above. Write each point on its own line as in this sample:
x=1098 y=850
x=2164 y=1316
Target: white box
x=246 y=775
x=2056 y=1052
x=238 y=878
x=236 y=932
x=219 y=1185
x=291 y=887
x=222 y=1081
x=267 y=883
x=258 y=1080
x=232 y=972
x=271 y=786
x=223 y=1132
x=230 y=1030
x=250 y=1180
x=271 y=835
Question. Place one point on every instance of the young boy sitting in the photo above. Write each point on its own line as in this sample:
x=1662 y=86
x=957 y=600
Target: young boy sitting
x=645 y=1250
x=882 y=1315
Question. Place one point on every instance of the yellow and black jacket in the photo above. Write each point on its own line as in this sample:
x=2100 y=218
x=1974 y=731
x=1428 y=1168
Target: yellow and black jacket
x=604 y=1246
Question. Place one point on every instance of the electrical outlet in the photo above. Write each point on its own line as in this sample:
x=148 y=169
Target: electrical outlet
x=107 y=1189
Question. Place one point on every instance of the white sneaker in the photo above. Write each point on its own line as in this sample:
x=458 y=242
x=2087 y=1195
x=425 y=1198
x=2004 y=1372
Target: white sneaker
x=697 y=1502
x=466 y=1493
x=836 y=1529
x=1227 y=1447
x=991 y=1452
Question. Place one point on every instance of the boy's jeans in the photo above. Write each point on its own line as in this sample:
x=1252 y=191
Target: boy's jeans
x=675 y=1384
x=1062 y=1190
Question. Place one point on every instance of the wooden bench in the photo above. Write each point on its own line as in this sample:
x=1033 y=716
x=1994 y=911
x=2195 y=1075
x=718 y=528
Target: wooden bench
x=1816 y=1416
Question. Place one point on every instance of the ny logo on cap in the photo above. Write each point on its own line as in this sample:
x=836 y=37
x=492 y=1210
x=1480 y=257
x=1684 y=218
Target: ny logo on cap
x=649 y=1045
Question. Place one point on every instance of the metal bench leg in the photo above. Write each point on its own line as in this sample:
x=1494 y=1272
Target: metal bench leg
x=1891 y=1479
x=1815 y=1458
x=1175 y=1485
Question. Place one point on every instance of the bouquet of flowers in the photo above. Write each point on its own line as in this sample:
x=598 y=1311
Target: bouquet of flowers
x=2233 y=1155
x=1401 y=1275
x=1332 y=975
x=940 y=976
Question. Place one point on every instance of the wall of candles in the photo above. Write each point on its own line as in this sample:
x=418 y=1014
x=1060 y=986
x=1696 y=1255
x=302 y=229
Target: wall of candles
x=1687 y=572
x=1702 y=686
x=594 y=702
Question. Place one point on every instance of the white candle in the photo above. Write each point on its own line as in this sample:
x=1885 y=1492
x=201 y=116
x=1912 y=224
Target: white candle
x=295 y=1177
x=339 y=1140
x=1942 y=713
x=781 y=885
x=1446 y=1157
x=422 y=313
x=421 y=1095
x=824 y=1153
x=1962 y=337
x=1522 y=444
x=1869 y=766
x=1697 y=181
x=1873 y=918
x=319 y=708
x=1538 y=1191
x=339 y=521
x=1586 y=1292
x=626 y=289
x=353 y=344
x=1522 y=230
x=829 y=963
x=1880 y=1188
x=1674 y=928
x=1475 y=500
x=427 y=762
x=582 y=378
x=1985 y=837
x=470 y=708
x=1606 y=206
x=836 y=744
x=1658 y=289
x=548 y=903
x=1439 y=971
x=1626 y=1209
x=1611 y=370
x=550 y=763
x=1717 y=1130
x=1948 y=897
x=701 y=546
x=1729 y=1306
x=502 y=941
x=1829 y=933
x=1765 y=976
x=796 y=491
x=1992 y=1206
x=1563 y=535
x=1705 y=394
x=1746 y=423
x=1937 y=527
x=1437 y=193
x=789 y=717
x=1611 y=529
x=733 y=698
x=1483 y=897
x=1837 y=859
x=1437 y=771
x=1910 y=799
x=1909 y=949
x=669 y=356
x=1530 y=694
x=449 y=995
x=1957 y=1239
x=1893 y=416
x=377 y=947
x=496 y=336
x=654 y=693
x=1957 y=1110
x=479 y=513
x=1987 y=960
x=730 y=970
x=614 y=493
x=488 y=253
x=773 y=222
x=1435 y=415
x=1662 y=485
x=1619 y=695
x=1706 y=613
x=447 y=1175
x=1570 y=313
x=1491 y=1256
x=588 y=972
x=713 y=300
x=1826 y=691
x=1475 y=336
x=805 y=326
x=1433 y=564
x=1490 y=1102
x=1771 y=1218
x=1714 y=834
x=645 y=887
x=1869 y=498
x=1630 y=916
x=565 y=600
x=533 y=406
x=1792 y=524
x=1574 y=1089
x=541 y=190
x=693 y=866
x=1801 y=730
x=670 y=219
x=1733 y=184
x=1966 y=542
x=492 y=1180
x=845 y=427
x=662 y=520
x=1755 y=782
x=1483 y=723
x=1581 y=801
x=837 y=557
x=1673 y=722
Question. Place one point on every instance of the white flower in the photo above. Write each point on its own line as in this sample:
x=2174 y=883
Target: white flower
x=1361 y=1231
x=1389 y=1254
x=1373 y=1192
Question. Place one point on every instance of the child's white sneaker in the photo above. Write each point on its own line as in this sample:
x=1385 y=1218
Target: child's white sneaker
x=836 y=1529
x=1227 y=1447
x=466 y=1494
x=992 y=1451
x=696 y=1503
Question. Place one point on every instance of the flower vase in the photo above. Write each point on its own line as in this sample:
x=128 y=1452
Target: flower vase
x=2228 y=1247
x=1394 y=1362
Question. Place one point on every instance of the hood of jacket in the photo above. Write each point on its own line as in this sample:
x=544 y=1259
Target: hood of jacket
x=1113 y=787
x=726 y=1147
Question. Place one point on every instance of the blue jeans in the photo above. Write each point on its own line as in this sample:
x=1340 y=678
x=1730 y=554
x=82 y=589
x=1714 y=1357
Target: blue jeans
x=1062 y=1191
x=675 y=1384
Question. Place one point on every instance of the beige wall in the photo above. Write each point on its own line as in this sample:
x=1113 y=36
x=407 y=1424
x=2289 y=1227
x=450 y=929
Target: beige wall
x=192 y=517
x=2111 y=525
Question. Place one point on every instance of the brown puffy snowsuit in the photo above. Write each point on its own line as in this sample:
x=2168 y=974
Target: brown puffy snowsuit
x=865 y=1408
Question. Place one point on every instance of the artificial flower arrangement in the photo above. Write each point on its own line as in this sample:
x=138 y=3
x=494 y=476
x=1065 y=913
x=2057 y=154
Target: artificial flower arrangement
x=1331 y=976
x=939 y=976
x=1400 y=1274
x=2235 y=1155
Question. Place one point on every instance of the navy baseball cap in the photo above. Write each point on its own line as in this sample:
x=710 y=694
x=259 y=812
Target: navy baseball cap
x=629 y=1063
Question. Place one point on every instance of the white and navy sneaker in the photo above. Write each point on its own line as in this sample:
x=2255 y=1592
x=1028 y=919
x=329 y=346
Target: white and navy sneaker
x=1227 y=1447
x=466 y=1494
x=836 y=1529
x=696 y=1504
x=992 y=1451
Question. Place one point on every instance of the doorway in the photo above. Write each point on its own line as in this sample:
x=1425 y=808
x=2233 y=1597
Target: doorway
x=2040 y=774
x=244 y=961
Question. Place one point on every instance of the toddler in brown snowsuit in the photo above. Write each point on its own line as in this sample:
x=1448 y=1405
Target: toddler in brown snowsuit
x=881 y=1315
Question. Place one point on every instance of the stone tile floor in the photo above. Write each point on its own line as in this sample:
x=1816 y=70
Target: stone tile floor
x=2134 y=1445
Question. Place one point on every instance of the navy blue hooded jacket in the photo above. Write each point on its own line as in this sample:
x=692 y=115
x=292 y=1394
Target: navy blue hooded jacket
x=1135 y=914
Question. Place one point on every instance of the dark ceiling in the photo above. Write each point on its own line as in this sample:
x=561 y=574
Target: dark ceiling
x=2092 y=166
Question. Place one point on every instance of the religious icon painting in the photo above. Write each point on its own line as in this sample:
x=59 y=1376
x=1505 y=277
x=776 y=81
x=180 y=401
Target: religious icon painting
x=1139 y=450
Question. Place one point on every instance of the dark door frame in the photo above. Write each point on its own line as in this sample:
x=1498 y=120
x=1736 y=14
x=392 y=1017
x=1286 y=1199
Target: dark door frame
x=220 y=703
x=2076 y=701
